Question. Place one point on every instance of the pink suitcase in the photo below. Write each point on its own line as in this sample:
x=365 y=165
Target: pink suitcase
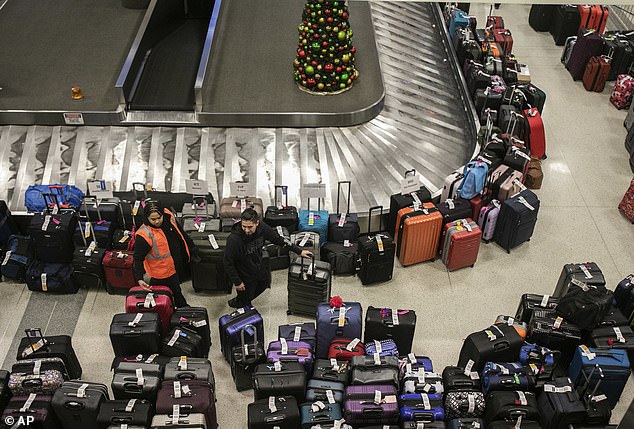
x=488 y=219
x=161 y=302
x=506 y=182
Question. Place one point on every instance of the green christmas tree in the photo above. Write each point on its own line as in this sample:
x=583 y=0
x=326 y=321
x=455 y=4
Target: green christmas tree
x=325 y=56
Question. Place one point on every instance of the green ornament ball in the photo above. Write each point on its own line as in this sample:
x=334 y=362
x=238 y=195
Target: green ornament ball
x=342 y=85
x=343 y=76
x=310 y=70
x=341 y=35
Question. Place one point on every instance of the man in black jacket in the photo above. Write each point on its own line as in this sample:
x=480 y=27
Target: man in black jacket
x=243 y=257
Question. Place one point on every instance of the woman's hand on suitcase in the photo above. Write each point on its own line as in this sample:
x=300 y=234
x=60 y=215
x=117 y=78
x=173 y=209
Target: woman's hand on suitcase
x=146 y=287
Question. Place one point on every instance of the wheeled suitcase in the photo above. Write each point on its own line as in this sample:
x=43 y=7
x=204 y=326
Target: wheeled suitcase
x=245 y=357
x=341 y=256
x=88 y=264
x=547 y=329
x=614 y=317
x=391 y=324
x=421 y=381
x=40 y=376
x=588 y=273
x=376 y=253
x=565 y=23
x=231 y=325
x=487 y=220
x=196 y=216
x=381 y=348
x=279 y=258
x=345 y=349
x=306 y=240
x=196 y=319
x=512 y=424
x=343 y=226
x=505 y=182
x=282 y=214
x=421 y=407
x=281 y=412
x=189 y=368
x=209 y=273
x=596 y=73
x=477 y=203
x=132 y=380
x=559 y=405
x=335 y=370
x=360 y=410
x=517 y=219
x=101 y=231
x=567 y=51
x=501 y=405
x=319 y=414
x=456 y=379
x=399 y=201
x=299 y=332
x=118 y=270
x=153 y=358
x=535 y=97
x=35 y=346
x=414 y=363
x=309 y=284
x=5 y=393
x=584 y=305
x=622 y=57
x=417 y=425
x=530 y=302
x=77 y=404
x=498 y=343
x=518 y=159
x=461 y=244
x=19 y=252
x=289 y=351
x=626 y=206
x=371 y=370
x=160 y=300
x=132 y=412
x=451 y=184
x=466 y=423
x=191 y=396
x=520 y=327
x=52 y=235
x=507 y=382
x=318 y=390
x=134 y=333
x=50 y=277
x=282 y=378
x=452 y=210
x=621 y=96
x=342 y=322
x=30 y=411
x=184 y=421
x=464 y=404
x=232 y=207
x=8 y=225
x=181 y=341
x=504 y=39
x=418 y=233
x=541 y=359
x=316 y=221
x=587 y=45
x=540 y=16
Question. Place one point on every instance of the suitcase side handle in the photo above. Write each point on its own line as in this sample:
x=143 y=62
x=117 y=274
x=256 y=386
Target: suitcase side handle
x=74 y=405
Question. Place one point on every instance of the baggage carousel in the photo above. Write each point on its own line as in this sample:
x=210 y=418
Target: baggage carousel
x=423 y=121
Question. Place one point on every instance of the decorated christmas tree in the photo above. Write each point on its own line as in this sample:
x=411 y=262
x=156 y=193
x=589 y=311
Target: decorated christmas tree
x=325 y=56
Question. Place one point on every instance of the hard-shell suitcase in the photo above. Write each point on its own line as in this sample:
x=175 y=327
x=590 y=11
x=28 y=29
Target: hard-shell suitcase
x=361 y=410
x=35 y=346
x=596 y=73
x=191 y=396
x=399 y=201
x=299 y=332
x=309 y=284
x=367 y=370
x=289 y=351
x=118 y=270
x=19 y=252
x=136 y=380
x=181 y=341
x=30 y=411
x=501 y=405
x=189 y=368
x=624 y=295
x=134 y=333
x=316 y=221
x=50 y=277
x=549 y=330
x=340 y=227
x=279 y=258
x=463 y=404
x=77 y=404
x=588 y=273
x=306 y=240
x=209 y=273
x=461 y=244
x=567 y=51
x=455 y=379
x=231 y=325
x=244 y=359
x=418 y=233
x=391 y=324
x=620 y=50
x=540 y=16
x=517 y=219
x=530 y=302
x=40 y=376
x=132 y=412
x=504 y=38
x=421 y=407
x=421 y=381
x=337 y=322
x=317 y=390
x=535 y=97
x=505 y=182
x=269 y=413
x=498 y=343
x=341 y=256
x=451 y=185
x=184 y=421
x=565 y=23
x=232 y=207
x=345 y=349
x=494 y=22
x=376 y=253
x=336 y=370
x=588 y=45
x=488 y=219
x=414 y=363
x=196 y=319
x=281 y=379
x=320 y=415
x=559 y=405
x=477 y=203
x=160 y=300
x=282 y=214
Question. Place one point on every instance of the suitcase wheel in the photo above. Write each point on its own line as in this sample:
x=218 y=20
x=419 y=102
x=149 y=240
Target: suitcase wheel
x=544 y=157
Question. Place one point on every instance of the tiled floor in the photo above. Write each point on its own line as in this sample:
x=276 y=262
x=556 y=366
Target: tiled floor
x=586 y=174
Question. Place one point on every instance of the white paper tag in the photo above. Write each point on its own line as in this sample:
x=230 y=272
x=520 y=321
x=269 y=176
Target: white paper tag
x=377 y=359
x=243 y=205
x=284 y=346
x=277 y=366
x=337 y=424
x=342 y=220
x=311 y=219
x=525 y=203
x=557 y=323
x=176 y=413
x=304 y=240
x=186 y=390
x=151 y=358
x=280 y=231
x=410 y=184
x=47 y=220
x=130 y=406
x=240 y=311
x=149 y=301
x=199 y=323
x=426 y=402
x=346 y=243
x=586 y=272
x=619 y=335
x=468 y=367
x=544 y=302
x=318 y=406
x=518 y=425
x=466 y=225
x=330 y=396
x=298 y=333
x=451 y=204
x=172 y=340
x=522 y=397
x=139 y=377
x=234 y=204
x=272 y=406
x=37 y=365
x=552 y=389
x=491 y=335
x=136 y=320
x=213 y=242
x=352 y=344
x=580 y=284
x=342 y=316
x=412 y=358
x=55 y=209
x=379 y=243
x=334 y=364
x=599 y=398
x=91 y=248
x=377 y=397
x=28 y=403
x=43 y=280
x=511 y=321
x=135 y=208
x=177 y=390
x=395 y=321
x=6 y=258
x=201 y=227
x=585 y=351
x=378 y=346
x=182 y=363
x=472 y=404
x=87 y=226
x=408 y=368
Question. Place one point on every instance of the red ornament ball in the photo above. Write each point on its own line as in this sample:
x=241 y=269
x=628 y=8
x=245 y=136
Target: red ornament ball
x=302 y=53
x=310 y=82
x=324 y=44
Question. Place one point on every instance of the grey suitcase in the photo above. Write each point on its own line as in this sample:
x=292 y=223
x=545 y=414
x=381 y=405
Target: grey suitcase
x=184 y=421
x=191 y=369
x=135 y=380
x=307 y=240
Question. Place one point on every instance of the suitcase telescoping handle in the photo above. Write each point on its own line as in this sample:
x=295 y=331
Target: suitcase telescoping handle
x=380 y=217
x=34 y=335
x=95 y=200
x=54 y=201
x=200 y=199
x=83 y=232
x=312 y=264
x=349 y=183
x=255 y=335
x=284 y=189
x=135 y=187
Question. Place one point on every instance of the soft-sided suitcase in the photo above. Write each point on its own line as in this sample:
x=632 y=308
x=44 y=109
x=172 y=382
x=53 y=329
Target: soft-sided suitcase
x=337 y=322
x=345 y=349
x=341 y=256
x=452 y=210
x=399 y=201
x=559 y=405
x=626 y=206
x=196 y=319
x=160 y=301
x=309 y=283
x=316 y=415
x=279 y=258
x=421 y=407
x=306 y=240
x=587 y=45
x=464 y=404
x=118 y=270
x=547 y=329
x=504 y=38
x=37 y=198
x=498 y=343
x=88 y=264
x=35 y=346
x=232 y=207
x=181 y=341
x=52 y=236
x=567 y=51
x=518 y=159
x=530 y=302
x=281 y=412
x=501 y=405
x=316 y=221
x=134 y=333
x=520 y=327
x=131 y=412
x=343 y=226
x=19 y=252
x=231 y=325
x=466 y=423
x=7 y=224
x=461 y=244
x=494 y=22
x=77 y=403
x=596 y=73
x=376 y=253
x=381 y=348
x=40 y=376
x=391 y=324
x=418 y=233
x=196 y=216
x=209 y=273
x=535 y=97
x=414 y=363
x=299 y=332
x=506 y=382
x=191 y=396
x=30 y=411
x=282 y=214
x=534 y=174
x=50 y=277
x=336 y=370
x=456 y=379
x=186 y=368
x=617 y=337
x=288 y=351
x=280 y=379
x=361 y=410
x=588 y=273
x=623 y=91
x=371 y=370
x=317 y=390
x=244 y=359
x=136 y=380
x=543 y=359
x=565 y=23
x=517 y=219
x=540 y=16
x=585 y=305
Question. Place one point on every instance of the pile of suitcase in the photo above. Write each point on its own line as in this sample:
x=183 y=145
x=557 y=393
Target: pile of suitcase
x=562 y=360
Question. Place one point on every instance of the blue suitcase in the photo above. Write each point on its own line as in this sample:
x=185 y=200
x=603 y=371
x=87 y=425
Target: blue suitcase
x=328 y=326
x=315 y=220
x=313 y=416
x=614 y=364
x=421 y=407
x=523 y=382
x=317 y=390
x=624 y=295
x=382 y=347
x=231 y=325
x=68 y=196
x=459 y=19
x=414 y=363
x=14 y=264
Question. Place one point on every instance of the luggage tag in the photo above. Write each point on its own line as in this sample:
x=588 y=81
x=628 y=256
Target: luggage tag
x=55 y=209
x=534 y=368
x=176 y=413
x=304 y=240
x=518 y=425
x=491 y=335
x=33 y=348
x=544 y=302
x=177 y=390
x=472 y=404
x=450 y=204
x=139 y=377
x=553 y=389
x=280 y=231
x=272 y=407
x=81 y=390
x=243 y=205
x=511 y=321
x=136 y=320
x=317 y=406
x=130 y=406
x=586 y=272
x=186 y=390
x=619 y=335
x=346 y=243
x=37 y=366
x=43 y=279
x=377 y=397
x=335 y=364
x=378 y=346
x=581 y=284
x=342 y=220
x=199 y=323
x=91 y=248
x=395 y=321
x=277 y=366
x=28 y=403
x=330 y=396
x=311 y=218
x=182 y=363
x=523 y=201
x=234 y=204
x=149 y=301
x=379 y=242
x=202 y=226
x=421 y=376
x=412 y=358
x=47 y=221
x=352 y=344
x=522 y=397
x=585 y=351
x=342 y=318
x=599 y=398
x=135 y=208
x=6 y=258
x=298 y=334
x=87 y=227
x=213 y=242
x=337 y=424
x=426 y=402
x=172 y=340
x=377 y=359
x=417 y=203
x=284 y=346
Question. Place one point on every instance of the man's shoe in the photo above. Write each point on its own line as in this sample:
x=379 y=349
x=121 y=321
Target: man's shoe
x=234 y=303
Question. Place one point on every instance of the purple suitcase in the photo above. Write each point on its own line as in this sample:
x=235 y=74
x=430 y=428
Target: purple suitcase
x=231 y=325
x=198 y=397
x=33 y=410
x=386 y=347
x=589 y=44
x=488 y=219
x=275 y=353
x=360 y=408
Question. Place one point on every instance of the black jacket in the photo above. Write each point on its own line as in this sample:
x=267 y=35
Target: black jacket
x=243 y=254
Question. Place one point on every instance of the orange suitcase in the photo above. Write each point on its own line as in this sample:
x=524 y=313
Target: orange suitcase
x=417 y=234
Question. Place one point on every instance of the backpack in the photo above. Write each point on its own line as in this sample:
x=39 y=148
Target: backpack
x=475 y=176
x=623 y=91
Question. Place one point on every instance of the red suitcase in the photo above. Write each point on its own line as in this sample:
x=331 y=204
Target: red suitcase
x=596 y=74
x=117 y=267
x=536 y=137
x=585 y=12
x=504 y=39
x=160 y=301
x=602 y=13
x=477 y=203
x=461 y=244
x=495 y=22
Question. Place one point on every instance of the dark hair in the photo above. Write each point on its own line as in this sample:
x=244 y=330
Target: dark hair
x=152 y=206
x=250 y=214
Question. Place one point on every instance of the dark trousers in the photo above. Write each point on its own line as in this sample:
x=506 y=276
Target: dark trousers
x=253 y=289
x=175 y=285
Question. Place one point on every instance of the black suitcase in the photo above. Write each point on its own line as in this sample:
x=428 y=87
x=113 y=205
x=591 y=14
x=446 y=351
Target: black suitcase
x=308 y=285
x=245 y=357
x=535 y=97
x=52 y=236
x=275 y=412
x=547 y=330
x=14 y=266
x=376 y=253
x=290 y=380
x=196 y=319
x=399 y=201
x=608 y=338
x=530 y=302
x=465 y=423
x=559 y=405
x=298 y=332
x=108 y=209
x=132 y=380
x=588 y=273
x=498 y=343
x=88 y=263
x=598 y=407
x=452 y=210
x=323 y=369
x=8 y=226
x=614 y=317
x=620 y=50
x=101 y=230
x=454 y=379
x=282 y=215
x=585 y=306
x=566 y=20
x=209 y=273
x=342 y=257
x=503 y=405
x=516 y=220
x=35 y=346
x=132 y=412
x=385 y=324
x=279 y=257
x=135 y=333
x=76 y=404
x=540 y=17
x=182 y=341
x=512 y=424
x=5 y=393
x=349 y=230
x=30 y=411
x=162 y=361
